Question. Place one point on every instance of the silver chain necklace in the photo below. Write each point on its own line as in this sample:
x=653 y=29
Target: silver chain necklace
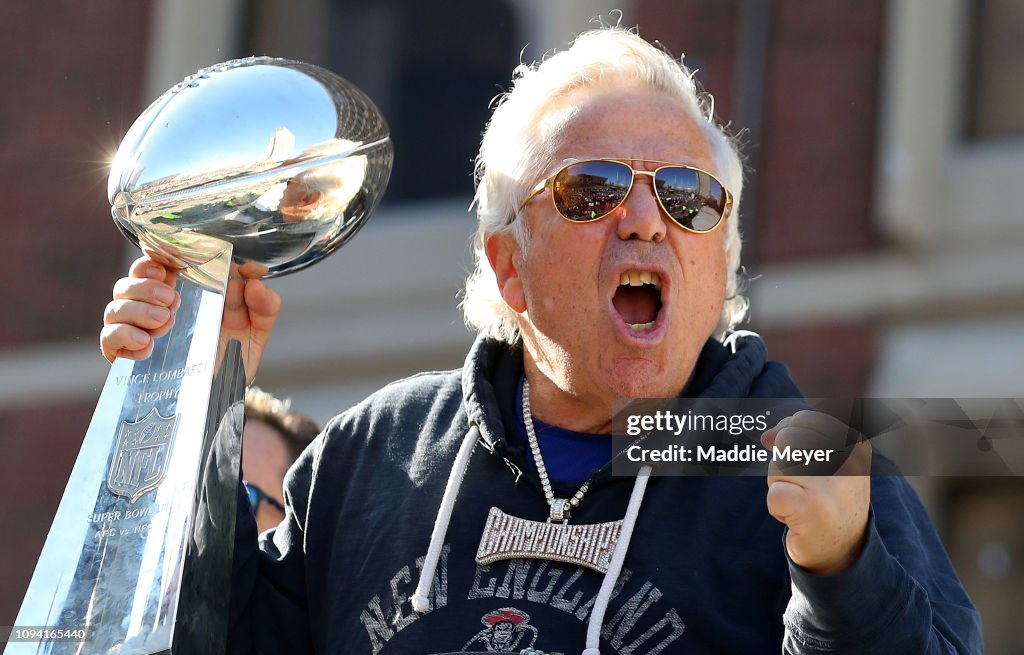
x=560 y=507
x=509 y=537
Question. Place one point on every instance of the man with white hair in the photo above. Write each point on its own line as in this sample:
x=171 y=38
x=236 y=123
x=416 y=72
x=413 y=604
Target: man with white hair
x=607 y=259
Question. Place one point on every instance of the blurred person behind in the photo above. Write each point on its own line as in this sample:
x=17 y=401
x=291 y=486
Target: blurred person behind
x=273 y=438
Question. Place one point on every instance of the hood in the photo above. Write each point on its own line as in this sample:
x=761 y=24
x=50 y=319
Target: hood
x=737 y=367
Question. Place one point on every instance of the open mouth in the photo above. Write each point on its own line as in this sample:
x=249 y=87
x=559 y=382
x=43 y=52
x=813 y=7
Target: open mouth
x=638 y=300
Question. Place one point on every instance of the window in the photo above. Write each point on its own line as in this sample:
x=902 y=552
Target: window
x=996 y=105
x=432 y=68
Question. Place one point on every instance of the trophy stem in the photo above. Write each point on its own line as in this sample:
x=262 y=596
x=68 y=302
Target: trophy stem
x=136 y=552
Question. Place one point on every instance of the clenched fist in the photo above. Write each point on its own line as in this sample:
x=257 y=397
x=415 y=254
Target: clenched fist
x=827 y=515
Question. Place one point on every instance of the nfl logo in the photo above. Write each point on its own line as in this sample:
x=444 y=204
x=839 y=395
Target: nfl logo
x=141 y=455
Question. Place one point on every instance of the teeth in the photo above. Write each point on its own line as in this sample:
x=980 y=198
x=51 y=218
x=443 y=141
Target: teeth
x=640 y=278
x=641 y=327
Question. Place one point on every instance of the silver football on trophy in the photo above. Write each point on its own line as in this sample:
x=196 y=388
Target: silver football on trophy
x=282 y=159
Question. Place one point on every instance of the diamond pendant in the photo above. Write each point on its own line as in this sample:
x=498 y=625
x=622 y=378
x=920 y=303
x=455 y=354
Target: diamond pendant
x=510 y=537
x=559 y=510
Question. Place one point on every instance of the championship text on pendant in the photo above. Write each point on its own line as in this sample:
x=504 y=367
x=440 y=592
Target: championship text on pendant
x=510 y=537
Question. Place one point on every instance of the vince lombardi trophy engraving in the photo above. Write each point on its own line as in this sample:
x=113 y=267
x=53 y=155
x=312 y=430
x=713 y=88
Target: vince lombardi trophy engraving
x=256 y=168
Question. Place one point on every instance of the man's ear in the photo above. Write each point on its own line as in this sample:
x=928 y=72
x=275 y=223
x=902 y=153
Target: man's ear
x=503 y=252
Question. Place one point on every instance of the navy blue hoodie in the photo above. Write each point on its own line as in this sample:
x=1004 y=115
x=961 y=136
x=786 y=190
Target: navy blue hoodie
x=706 y=570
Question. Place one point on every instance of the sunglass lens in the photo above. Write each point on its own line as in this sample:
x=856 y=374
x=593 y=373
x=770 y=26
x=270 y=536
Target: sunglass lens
x=253 y=494
x=692 y=198
x=588 y=190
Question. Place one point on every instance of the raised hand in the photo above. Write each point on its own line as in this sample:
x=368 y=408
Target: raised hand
x=827 y=515
x=144 y=302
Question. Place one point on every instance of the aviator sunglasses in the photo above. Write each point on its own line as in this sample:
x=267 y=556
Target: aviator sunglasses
x=589 y=190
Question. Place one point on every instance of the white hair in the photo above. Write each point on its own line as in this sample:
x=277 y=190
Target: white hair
x=513 y=156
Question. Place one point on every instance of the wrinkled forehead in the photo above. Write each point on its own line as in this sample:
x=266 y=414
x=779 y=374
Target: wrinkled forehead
x=622 y=120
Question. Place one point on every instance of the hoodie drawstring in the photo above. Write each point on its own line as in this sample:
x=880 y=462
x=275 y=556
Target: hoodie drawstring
x=420 y=600
x=604 y=595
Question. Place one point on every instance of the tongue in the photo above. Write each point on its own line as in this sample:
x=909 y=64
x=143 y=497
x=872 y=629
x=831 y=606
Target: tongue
x=637 y=304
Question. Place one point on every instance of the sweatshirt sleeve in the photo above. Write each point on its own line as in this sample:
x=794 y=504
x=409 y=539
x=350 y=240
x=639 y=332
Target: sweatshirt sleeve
x=268 y=609
x=901 y=595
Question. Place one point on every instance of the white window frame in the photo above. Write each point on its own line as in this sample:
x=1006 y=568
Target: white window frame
x=934 y=186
